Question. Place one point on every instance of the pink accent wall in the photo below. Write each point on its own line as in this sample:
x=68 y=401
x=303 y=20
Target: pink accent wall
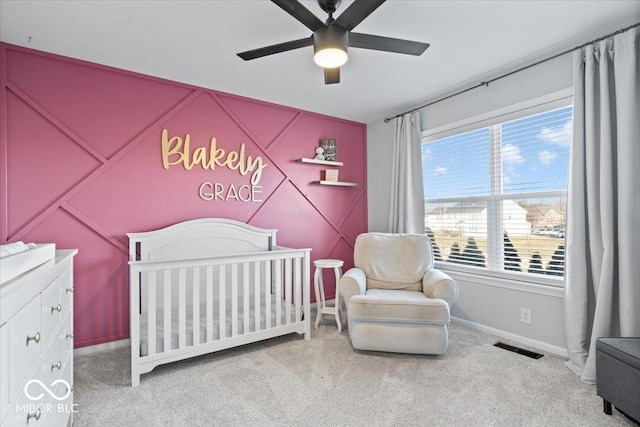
x=81 y=166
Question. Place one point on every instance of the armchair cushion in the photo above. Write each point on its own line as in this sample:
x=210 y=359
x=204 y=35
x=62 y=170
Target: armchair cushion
x=397 y=306
x=393 y=261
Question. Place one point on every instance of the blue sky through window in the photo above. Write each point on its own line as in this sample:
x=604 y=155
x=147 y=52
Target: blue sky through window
x=535 y=157
x=457 y=165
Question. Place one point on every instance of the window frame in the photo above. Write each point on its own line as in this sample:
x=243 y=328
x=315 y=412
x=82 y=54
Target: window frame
x=492 y=120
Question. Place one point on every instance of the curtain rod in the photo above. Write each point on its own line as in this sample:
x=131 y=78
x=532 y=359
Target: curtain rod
x=622 y=30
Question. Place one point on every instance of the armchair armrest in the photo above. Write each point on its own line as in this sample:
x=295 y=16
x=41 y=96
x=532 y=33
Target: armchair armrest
x=438 y=284
x=353 y=282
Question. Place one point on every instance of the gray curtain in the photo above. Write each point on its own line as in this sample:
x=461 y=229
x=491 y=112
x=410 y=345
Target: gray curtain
x=602 y=280
x=406 y=210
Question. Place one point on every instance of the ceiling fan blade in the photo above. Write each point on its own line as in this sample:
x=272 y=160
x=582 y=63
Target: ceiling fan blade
x=355 y=13
x=301 y=13
x=387 y=44
x=276 y=48
x=331 y=75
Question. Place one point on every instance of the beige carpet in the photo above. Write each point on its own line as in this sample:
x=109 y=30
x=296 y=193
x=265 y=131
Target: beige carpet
x=324 y=382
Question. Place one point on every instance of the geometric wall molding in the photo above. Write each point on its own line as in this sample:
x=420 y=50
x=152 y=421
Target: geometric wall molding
x=81 y=166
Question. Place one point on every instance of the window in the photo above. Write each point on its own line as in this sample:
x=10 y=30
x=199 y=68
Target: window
x=495 y=190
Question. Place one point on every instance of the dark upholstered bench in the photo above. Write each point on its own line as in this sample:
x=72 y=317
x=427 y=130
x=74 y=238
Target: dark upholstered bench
x=618 y=375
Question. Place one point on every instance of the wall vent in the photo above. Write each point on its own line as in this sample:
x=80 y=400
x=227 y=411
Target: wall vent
x=522 y=351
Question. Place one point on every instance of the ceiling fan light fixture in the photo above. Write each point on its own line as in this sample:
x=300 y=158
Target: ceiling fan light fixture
x=330 y=57
x=330 y=45
x=332 y=39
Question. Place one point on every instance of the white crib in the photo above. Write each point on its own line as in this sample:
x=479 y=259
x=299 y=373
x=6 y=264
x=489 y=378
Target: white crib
x=206 y=285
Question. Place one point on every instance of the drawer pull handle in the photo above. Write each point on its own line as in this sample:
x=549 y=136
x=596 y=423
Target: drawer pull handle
x=57 y=308
x=35 y=415
x=35 y=338
x=69 y=290
x=57 y=366
x=70 y=335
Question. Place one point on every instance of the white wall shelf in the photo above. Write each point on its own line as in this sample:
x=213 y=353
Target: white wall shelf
x=337 y=183
x=319 y=162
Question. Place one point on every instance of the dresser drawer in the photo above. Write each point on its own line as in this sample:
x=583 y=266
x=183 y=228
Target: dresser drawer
x=30 y=412
x=52 y=311
x=63 y=403
x=25 y=332
x=66 y=289
x=55 y=360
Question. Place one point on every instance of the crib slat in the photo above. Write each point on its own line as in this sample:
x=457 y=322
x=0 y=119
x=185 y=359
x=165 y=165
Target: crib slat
x=167 y=310
x=234 y=300
x=306 y=297
x=245 y=297
x=151 y=313
x=196 y=306
x=182 y=309
x=278 y=285
x=222 y=313
x=297 y=287
x=135 y=290
x=256 y=292
x=209 y=303
x=287 y=289
x=267 y=294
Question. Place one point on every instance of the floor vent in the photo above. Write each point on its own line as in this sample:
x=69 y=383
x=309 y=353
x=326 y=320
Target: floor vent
x=522 y=351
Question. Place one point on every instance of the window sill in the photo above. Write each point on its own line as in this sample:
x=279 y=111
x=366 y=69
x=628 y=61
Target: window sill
x=521 y=282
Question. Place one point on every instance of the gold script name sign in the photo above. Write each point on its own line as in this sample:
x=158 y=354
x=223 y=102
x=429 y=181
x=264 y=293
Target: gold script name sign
x=176 y=150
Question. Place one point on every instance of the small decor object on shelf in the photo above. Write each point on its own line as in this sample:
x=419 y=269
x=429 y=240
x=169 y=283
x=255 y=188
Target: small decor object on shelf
x=331 y=175
x=319 y=153
x=330 y=147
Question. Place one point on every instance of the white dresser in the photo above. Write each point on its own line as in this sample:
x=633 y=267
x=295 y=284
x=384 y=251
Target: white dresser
x=36 y=345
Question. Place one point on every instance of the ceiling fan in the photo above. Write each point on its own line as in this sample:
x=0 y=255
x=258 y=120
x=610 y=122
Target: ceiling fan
x=332 y=39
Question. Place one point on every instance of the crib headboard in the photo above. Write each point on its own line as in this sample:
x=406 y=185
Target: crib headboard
x=200 y=238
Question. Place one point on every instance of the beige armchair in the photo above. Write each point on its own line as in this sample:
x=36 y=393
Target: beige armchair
x=396 y=301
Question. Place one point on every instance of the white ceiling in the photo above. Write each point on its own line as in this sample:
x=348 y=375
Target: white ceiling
x=196 y=42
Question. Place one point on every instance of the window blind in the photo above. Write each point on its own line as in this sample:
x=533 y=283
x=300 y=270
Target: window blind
x=495 y=197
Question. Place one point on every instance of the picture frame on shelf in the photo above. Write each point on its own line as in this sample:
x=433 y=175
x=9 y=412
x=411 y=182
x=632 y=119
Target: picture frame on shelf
x=330 y=147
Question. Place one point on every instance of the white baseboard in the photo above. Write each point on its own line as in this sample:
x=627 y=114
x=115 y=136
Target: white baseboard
x=101 y=347
x=558 y=351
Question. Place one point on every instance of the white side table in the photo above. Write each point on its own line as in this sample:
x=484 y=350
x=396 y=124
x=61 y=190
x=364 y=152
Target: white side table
x=336 y=264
